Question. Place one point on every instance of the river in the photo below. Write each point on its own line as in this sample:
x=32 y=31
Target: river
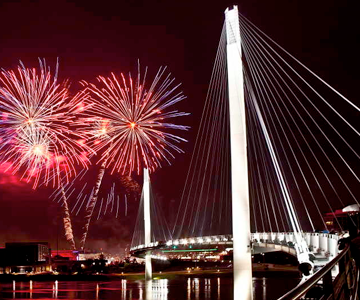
x=219 y=288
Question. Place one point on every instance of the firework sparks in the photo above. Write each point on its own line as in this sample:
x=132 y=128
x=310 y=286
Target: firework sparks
x=35 y=129
x=131 y=126
x=37 y=114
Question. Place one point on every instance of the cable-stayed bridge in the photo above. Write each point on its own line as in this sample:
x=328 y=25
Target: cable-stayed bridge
x=277 y=146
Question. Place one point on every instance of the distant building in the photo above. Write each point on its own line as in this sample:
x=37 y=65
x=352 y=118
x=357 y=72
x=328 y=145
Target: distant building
x=65 y=254
x=25 y=257
x=343 y=218
x=73 y=262
x=64 y=261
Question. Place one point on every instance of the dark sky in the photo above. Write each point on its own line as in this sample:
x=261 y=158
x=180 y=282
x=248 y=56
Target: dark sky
x=93 y=38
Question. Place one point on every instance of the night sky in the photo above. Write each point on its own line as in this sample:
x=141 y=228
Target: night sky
x=93 y=38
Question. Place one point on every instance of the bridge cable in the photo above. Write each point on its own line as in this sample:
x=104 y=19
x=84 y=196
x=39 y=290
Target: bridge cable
x=208 y=140
x=197 y=162
x=307 y=98
x=300 y=63
x=254 y=133
x=212 y=136
x=219 y=136
x=316 y=139
x=293 y=216
x=194 y=155
x=259 y=89
x=254 y=191
x=269 y=63
x=249 y=52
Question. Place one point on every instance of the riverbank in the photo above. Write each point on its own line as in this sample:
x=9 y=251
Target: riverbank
x=259 y=271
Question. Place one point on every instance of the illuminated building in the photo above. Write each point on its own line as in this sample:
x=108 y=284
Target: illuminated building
x=25 y=257
x=65 y=254
x=342 y=218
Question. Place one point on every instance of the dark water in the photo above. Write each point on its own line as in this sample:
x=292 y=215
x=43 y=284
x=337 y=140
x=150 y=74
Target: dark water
x=162 y=289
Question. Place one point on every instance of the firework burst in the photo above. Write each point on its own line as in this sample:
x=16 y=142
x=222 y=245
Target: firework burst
x=37 y=114
x=130 y=126
x=35 y=129
x=132 y=123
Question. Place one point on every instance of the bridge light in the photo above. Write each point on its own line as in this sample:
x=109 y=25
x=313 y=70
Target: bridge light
x=208 y=240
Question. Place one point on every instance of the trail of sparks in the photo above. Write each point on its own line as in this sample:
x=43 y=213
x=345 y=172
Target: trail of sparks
x=67 y=220
x=90 y=208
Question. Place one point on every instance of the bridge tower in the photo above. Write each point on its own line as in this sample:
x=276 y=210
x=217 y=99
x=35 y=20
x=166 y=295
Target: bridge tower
x=239 y=169
x=147 y=224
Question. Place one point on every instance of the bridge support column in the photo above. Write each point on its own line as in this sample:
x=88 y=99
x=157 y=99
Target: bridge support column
x=323 y=242
x=239 y=170
x=147 y=223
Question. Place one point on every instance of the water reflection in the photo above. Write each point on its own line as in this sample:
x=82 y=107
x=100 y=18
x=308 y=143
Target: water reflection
x=189 y=289
x=160 y=289
x=55 y=289
x=264 y=287
x=148 y=289
x=207 y=288
x=123 y=289
x=196 y=288
x=141 y=290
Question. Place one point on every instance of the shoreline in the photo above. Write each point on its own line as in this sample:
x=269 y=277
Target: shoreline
x=259 y=271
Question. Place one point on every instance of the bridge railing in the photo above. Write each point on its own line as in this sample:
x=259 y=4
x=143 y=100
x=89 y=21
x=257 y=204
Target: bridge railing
x=203 y=240
x=322 y=286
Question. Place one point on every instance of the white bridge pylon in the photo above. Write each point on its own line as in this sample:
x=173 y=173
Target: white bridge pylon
x=242 y=269
x=239 y=167
x=147 y=224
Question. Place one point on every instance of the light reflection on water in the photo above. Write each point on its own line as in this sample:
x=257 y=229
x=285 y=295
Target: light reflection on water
x=160 y=289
